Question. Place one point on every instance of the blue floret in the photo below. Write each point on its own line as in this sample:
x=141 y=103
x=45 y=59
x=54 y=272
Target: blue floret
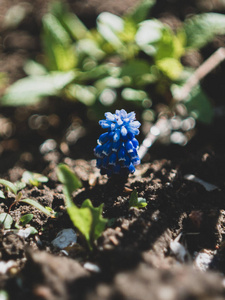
x=116 y=151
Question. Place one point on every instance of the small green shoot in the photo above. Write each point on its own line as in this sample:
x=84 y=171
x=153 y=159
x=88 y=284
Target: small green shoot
x=14 y=188
x=87 y=219
x=20 y=185
x=2 y=195
x=9 y=185
x=37 y=205
x=6 y=220
x=136 y=201
x=25 y=219
x=70 y=181
x=34 y=179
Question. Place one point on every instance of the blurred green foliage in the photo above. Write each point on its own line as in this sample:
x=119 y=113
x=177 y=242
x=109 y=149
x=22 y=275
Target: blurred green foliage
x=129 y=58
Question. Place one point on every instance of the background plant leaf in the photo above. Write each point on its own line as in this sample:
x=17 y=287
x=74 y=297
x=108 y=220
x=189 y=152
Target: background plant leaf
x=34 y=178
x=171 y=67
x=202 y=28
x=70 y=22
x=32 y=89
x=133 y=95
x=141 y=11
x=60 y=55
x=200 y=106
x=135 y=68
x=170 y=45
x=33 y=68
x=148 y=33
x=109 y=26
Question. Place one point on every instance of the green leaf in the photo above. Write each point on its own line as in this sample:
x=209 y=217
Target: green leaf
x=135 y=69
x=128 y=34
x=64 y=58
x=70 y=181
x=25 y=219
x=32 y=89
x=51 y=210
x=202 y=28
x=19 y=185
x=141 y=11
x=60 y=53
x=2 y=195
x=90 y=48
x=88 y=220
x=200 y=106
x=33 y=68
x=34 y=178
x=136 y=201
x=110 y=82
x=52 y=26
x=70 y=22
x=98 y=222
x=133 y=95
x=109 y=26
x=148 y=33
x=9 y=185
x=74 y=25
x=6 y=220
x=39 y=207
x=171 y=67
x=86 y=94
x=95 y=73
x=170 y=45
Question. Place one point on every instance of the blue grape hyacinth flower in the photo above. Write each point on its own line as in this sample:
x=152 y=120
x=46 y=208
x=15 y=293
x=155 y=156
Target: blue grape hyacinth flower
x=116 y=151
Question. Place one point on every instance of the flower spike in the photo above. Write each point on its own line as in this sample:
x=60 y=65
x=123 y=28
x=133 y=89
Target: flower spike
x=116 y=151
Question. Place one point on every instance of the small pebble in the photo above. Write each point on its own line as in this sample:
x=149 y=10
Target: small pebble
x=203 y=260
x=178 y=250
x=5 y=266
x=114 y=240
x=209 y=187
x=65 y=238
x=92 y=267
x=48 y=146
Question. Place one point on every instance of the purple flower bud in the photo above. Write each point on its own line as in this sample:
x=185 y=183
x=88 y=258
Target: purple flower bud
x=117 y=149
x=112 y=159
